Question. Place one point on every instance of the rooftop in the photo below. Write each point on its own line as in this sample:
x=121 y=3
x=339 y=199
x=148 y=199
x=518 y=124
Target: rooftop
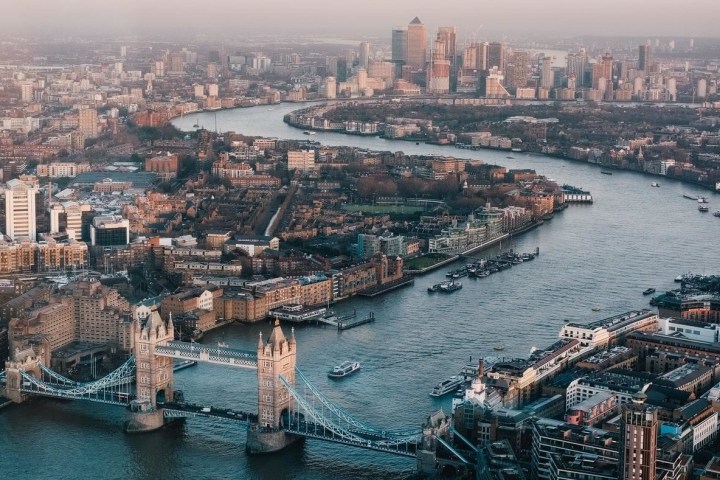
x=616 y=322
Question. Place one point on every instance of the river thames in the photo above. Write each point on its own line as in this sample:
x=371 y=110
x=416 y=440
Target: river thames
x=602 y=255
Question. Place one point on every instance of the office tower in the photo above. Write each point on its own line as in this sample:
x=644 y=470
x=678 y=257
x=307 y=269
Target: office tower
x=644 y=61
x=88 y=122
x=20 y=219
x=177 y=64
x=496 y=56
x=123 y=51
x=638 y=439
x=448 y=36
x=482 y=56
x=109 y=230
x=547 y=77
x=330 y=87
x=399 y=45
x=516 y=74
x=416 y=44
x=342 y=69
x=602 y=69
x=438 y=80
x=364 y=55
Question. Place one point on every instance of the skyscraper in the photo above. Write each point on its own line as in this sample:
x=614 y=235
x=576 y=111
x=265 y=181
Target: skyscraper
x=516 y=74
x=20 y=209
x=364 y=54
x=399 y=44
x=638 y=439
x=416 y=44
x=547 y=77
x=496 y=56
x=644 y=58
x=438 y=80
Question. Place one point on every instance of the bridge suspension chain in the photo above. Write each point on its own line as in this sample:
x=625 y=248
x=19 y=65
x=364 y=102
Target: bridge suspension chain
x=344 y=435
x=356 y=423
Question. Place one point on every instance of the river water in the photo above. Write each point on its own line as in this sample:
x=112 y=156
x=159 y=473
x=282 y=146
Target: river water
x=633 y=237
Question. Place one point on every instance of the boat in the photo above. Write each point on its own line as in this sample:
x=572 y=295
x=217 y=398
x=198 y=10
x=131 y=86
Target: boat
x=595 y=309
x=433 y=288
x=196 y=126
x=605 y=172
x=308 y=132
x=222 y=345
x=516 y=150
x=702 y=207
x=649 y=291
x=690 y=197
x=716 y=213
x=447 y=386
x=499 y=347
x=510 y=157
x=449 y=287
x=344 y=369
x=654 y=184
x=702 y=199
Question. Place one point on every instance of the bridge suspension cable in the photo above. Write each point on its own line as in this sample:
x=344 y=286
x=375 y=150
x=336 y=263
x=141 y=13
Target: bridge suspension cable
x=322 y=427
x=356 y=424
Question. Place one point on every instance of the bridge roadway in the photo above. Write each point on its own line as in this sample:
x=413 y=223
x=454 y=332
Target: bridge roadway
x=184 y=410
x=209 y=354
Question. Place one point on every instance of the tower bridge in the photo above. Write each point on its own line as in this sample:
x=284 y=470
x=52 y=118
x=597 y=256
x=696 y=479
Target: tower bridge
x=290 y=408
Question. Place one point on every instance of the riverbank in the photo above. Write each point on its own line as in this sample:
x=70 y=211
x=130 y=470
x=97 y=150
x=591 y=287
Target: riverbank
x=544 y=149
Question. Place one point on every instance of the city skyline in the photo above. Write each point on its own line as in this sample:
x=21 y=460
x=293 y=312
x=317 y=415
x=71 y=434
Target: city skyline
x=556 y=18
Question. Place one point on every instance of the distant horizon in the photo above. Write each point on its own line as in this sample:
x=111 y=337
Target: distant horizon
x=556 y=19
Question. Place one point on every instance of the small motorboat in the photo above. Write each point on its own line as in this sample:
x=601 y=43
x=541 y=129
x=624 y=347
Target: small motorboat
x=499 y=347
x=649 y=291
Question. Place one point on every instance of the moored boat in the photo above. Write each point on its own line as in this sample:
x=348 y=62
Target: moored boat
x=605 y=172
x=649 y=291
x=449 y=287
x=447 y=386
x=344 y=369
x=716 y=213
x=702 y=207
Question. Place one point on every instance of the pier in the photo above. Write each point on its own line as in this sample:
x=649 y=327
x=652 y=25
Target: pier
x=351 y=321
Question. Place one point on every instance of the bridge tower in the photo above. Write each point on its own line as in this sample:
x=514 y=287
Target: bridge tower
x=275 y=357
x=154 y=375
x=25 y=361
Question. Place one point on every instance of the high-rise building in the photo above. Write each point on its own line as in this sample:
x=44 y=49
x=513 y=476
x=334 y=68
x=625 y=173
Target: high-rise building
x=547 y=77
x=26 y=92
x=638 y=439
x=330 y=87
x=416 y=44
x=110 y=230
x=448 y=36
x=399 y=45
x=20 y=216
x=644 y=60
x=364 y=54
x=88 y=122
x=438 y=80
x=603 y=69
x=496 y=56
x=516 y=74
x=67 y=217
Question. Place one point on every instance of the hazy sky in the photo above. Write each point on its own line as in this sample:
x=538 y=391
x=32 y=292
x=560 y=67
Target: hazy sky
x=480 y=18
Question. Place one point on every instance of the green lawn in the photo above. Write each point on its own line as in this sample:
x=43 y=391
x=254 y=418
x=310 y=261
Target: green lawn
x=383 y=208
x=424 y=261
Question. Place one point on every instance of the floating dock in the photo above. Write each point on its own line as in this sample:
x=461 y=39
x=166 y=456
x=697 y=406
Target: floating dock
x=350 y=321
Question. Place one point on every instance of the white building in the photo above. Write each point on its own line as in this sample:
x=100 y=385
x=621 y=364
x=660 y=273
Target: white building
x=20 y=221
x=690 y=329
x=604 y=332
x=67 y=217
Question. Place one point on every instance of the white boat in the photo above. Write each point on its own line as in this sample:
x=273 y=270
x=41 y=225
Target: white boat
x=344 y=369
x=447 y=386
x=654 y=184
